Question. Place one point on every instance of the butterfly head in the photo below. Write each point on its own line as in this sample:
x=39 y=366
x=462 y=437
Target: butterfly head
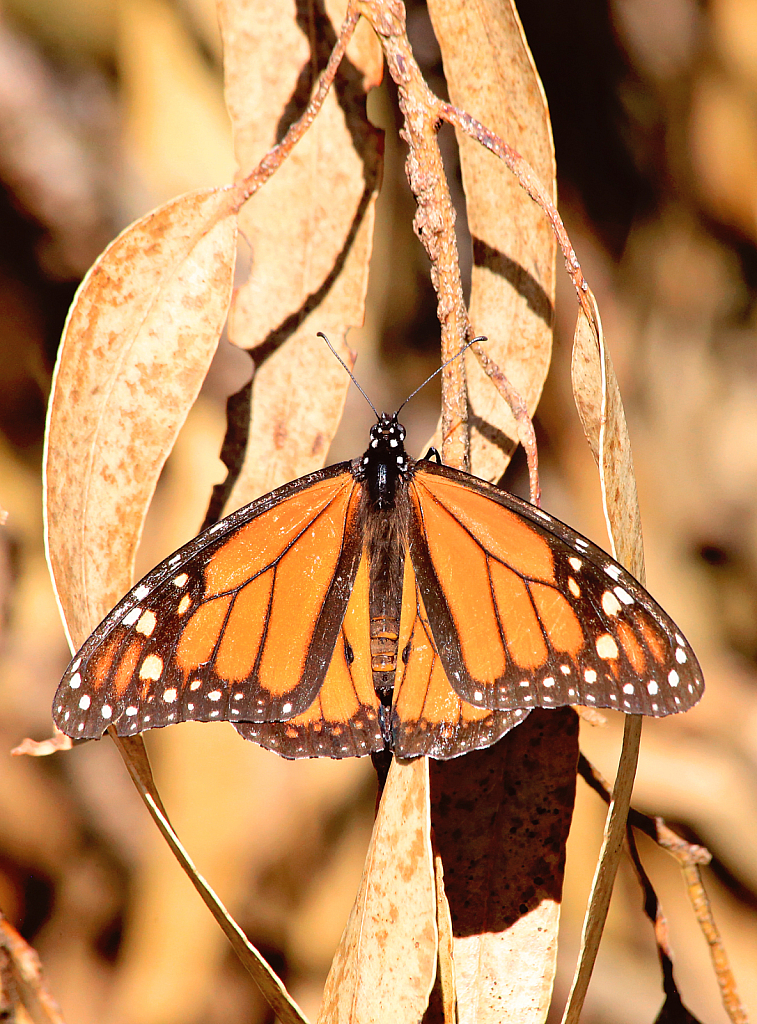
x=385 y=460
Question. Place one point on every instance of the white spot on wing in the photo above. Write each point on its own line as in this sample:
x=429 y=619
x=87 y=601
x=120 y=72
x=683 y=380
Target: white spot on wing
x=85 y=701
x=610 y=603
x=132 y=617
x=606 y=647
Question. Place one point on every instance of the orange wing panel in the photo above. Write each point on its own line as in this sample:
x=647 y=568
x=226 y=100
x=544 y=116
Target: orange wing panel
x=428 y=717
x=255 y=547
x=505 y=535
x=342 y=721
x=462 y=568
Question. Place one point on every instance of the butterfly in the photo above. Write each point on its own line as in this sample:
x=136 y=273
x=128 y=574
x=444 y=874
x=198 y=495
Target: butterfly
x=378 y=604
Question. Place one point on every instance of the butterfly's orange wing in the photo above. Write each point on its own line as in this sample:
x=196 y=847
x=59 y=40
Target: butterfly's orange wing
x=428 y=716
x=240 y=624
x=343 y=720
x=525 y=612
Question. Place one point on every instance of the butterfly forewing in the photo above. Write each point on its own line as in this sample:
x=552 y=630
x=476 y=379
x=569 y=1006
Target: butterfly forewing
x=526 y=612
x=228 y=627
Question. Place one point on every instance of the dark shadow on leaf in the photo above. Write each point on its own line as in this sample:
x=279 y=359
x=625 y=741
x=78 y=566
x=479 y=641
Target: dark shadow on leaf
x=524 y=283
x=500 y=820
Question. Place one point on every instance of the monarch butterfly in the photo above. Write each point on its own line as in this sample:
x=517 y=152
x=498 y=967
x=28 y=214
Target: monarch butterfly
x=378 y=604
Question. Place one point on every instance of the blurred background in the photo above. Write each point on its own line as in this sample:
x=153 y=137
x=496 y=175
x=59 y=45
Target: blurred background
x=109 y=107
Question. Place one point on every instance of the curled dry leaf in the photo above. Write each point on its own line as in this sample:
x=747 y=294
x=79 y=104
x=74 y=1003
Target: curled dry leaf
x=309 y=229
x=600 y=408
x=386 y=962
x=490 y=73
x=137 y=343
x=500 y=827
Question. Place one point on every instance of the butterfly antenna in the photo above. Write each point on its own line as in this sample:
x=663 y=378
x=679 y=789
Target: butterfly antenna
x=439 y=369
x=320 y=334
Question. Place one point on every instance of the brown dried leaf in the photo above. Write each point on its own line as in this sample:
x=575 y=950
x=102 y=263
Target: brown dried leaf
x=138 y=341
x=600 y=408
x=385 y=965
x=500 y=826
x=310 y=231
x=490 y=73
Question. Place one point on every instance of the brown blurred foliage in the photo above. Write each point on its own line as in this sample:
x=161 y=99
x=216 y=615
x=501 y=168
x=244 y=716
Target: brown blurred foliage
x=107 y=109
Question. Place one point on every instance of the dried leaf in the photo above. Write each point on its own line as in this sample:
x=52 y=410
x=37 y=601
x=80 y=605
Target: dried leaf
x=490 y=73
x=385 y=965
x=500 y=827
x=310 y=231
x=597 y=397
x=138 y=341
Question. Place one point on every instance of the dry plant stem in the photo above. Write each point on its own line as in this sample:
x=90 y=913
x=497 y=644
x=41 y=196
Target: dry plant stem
x=267 y=981
x=523 y=421
x=655 y=827
x=276 y=156
x=703 y=911
x=26 y=972
x=607 y=867
x=434 y=221
x=690 y=857
x=532 y=185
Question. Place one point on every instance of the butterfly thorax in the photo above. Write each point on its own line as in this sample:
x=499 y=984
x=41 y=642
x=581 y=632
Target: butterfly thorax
x=384 y=462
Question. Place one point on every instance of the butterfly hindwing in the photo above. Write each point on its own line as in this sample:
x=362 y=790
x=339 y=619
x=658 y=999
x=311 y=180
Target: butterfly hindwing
x=428 y=716
x=343 y=720
x=240 y=624
x=526 y=612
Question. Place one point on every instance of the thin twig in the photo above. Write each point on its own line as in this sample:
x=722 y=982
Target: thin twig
x=690 y=857
x=26 y=972
x=532 y=185
x=275 y=157
x=434 y=221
